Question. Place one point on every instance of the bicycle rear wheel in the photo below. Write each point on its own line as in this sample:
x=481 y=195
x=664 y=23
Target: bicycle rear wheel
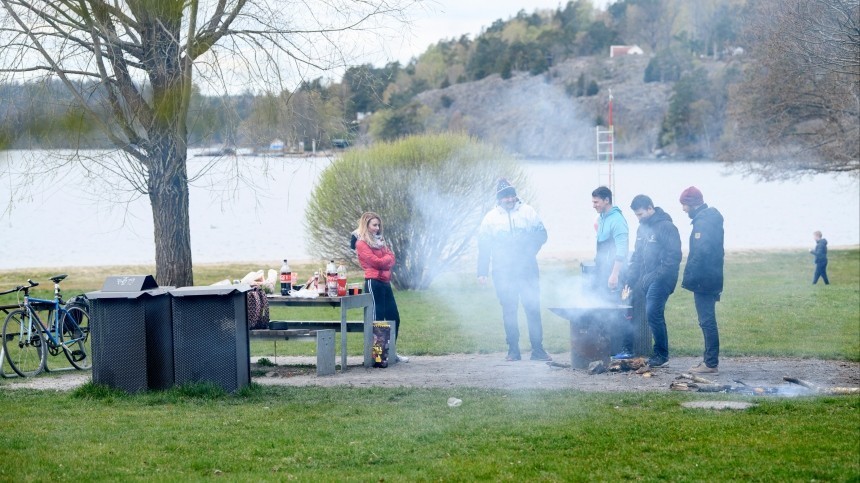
x=24 y=344
x=76 y=337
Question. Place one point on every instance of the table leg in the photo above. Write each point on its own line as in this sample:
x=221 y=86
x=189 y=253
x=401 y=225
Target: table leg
x=343 y=309
x=368 y=336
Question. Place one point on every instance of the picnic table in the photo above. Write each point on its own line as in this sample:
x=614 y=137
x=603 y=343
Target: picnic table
x=285 y=329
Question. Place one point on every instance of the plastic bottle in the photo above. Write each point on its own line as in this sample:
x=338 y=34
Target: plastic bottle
x=286 y=278
x=317 y=286
x=331 y=279
x=341 y=281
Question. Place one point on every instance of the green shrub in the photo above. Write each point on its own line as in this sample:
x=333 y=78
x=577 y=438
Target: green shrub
x=431 y=192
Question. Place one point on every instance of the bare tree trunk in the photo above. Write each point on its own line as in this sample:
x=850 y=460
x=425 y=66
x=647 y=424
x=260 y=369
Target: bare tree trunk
x=169 y=199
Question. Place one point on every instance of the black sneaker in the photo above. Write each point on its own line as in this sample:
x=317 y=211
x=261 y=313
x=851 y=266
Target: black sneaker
x=657 y=361
x=540 y=356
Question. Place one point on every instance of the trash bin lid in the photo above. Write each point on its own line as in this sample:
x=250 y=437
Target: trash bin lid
x=101 y=294
x=210 y=290
x=129 y=283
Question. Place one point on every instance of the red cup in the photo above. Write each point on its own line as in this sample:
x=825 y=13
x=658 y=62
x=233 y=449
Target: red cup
x=341 y=287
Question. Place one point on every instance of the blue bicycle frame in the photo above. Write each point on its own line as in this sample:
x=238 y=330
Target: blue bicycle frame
x=27 y=340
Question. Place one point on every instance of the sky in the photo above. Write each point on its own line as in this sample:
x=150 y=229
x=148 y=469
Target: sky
x=446 y=19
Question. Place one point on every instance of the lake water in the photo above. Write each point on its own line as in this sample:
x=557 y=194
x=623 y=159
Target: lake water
x=77 y=221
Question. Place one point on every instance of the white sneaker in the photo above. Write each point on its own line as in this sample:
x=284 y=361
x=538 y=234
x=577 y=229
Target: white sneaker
x=402 y=358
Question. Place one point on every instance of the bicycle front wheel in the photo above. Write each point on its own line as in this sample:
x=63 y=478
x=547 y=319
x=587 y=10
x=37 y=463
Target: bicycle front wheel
x=24 y=344
x=76 y=337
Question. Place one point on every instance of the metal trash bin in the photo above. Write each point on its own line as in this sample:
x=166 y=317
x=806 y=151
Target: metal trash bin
x=210 y=335
x=132 y=341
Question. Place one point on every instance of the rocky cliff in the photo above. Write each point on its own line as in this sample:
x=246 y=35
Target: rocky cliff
x=541 y=117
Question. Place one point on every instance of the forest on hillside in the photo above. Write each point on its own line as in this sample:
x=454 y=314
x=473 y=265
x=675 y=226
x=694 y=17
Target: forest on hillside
x=713 y=69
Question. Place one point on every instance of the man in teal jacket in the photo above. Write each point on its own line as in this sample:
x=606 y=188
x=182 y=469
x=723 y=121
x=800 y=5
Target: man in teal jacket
x=612 y=245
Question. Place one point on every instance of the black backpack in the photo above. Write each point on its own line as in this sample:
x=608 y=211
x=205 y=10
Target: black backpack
x=80 y=301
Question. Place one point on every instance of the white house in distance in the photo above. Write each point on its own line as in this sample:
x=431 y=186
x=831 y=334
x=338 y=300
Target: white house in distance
x=619 y=50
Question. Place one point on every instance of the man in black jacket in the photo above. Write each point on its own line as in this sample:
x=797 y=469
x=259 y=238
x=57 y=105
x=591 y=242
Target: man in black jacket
x=653 y=270
x=703 y=274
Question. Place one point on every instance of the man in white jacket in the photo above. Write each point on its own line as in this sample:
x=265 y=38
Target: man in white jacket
x=509 y=239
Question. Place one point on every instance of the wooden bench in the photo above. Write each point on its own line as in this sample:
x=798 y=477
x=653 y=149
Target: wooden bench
x=287 y=329
x=325 y=343
x=321 y=330
x=313 y=325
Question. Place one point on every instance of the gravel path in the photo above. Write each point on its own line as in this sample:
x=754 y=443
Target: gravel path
x=492 y=371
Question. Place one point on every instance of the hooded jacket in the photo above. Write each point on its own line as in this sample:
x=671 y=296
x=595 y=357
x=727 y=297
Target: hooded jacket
x=820 y=251
x=511 y=240
x=657 y=254
x=704 y=270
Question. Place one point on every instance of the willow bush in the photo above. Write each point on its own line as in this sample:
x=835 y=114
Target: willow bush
x=431 y=192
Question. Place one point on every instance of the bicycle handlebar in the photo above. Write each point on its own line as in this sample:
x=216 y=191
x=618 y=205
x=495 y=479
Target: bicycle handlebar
x=21 y=287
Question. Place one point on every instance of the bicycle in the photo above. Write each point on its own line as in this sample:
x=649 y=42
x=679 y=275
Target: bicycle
x=27 y=340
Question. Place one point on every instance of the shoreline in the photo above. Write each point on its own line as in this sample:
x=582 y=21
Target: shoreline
x=556 y=256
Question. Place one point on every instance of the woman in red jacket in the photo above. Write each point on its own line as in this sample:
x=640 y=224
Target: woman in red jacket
x=377 y=259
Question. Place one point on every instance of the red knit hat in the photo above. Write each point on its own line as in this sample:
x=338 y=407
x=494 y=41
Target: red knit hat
x=692 y=197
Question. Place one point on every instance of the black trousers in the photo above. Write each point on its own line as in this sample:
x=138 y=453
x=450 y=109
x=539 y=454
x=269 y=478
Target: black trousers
x=385 y=307
x=512 y=291
x=820 y=271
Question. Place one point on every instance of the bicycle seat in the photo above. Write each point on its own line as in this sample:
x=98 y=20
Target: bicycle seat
x=58 y=278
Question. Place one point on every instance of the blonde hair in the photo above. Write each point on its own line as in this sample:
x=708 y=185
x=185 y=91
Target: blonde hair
x=364 y=232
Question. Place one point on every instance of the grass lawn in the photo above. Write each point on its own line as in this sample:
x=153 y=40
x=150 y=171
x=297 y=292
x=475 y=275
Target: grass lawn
x=346 y=434
x=769 y=307
x=349 y=434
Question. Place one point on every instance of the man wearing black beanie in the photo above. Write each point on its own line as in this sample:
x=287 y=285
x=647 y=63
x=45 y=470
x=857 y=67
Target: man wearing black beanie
x=509 y=238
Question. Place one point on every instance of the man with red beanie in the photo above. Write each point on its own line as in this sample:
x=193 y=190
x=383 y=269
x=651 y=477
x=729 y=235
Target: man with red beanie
x=703 y=274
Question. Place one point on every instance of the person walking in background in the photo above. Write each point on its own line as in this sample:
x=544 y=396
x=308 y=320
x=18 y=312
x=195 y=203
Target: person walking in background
x=509 y=238
x=820 y=252
x=653 y=269
x=612 y=246
x=703 y=274
x=377 y=259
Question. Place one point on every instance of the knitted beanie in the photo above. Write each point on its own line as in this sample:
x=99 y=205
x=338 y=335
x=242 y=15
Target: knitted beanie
x=692 y=197
x=504 y=189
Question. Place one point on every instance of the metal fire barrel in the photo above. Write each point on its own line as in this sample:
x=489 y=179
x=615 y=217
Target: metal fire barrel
x=591 y=332
x=641 y=330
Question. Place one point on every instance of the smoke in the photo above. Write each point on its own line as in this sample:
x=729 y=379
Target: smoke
x=539 y=120
x=527 y=115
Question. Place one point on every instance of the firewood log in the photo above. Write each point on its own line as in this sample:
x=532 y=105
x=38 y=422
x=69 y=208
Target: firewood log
x=823 y=390
x=801 y=382
x=714 y=388
x=696 y=378
x=683 y=386
x=842 y=390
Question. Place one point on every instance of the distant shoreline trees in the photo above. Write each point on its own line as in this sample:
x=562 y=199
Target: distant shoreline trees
x=753 y=82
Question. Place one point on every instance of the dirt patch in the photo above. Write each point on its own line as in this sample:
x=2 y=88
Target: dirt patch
x=492 y=371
